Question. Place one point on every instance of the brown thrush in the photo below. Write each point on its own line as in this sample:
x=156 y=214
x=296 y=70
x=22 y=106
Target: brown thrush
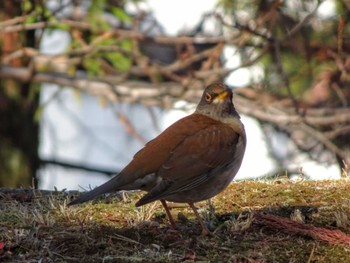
x=192 y=160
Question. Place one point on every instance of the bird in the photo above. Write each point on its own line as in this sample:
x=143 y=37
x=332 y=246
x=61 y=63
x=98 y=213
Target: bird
x=192 y=160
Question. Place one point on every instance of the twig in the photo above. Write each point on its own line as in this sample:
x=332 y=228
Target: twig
x=121 y=33
x=128 y=91
x=326 y=142
x=338 y=131
x=301 y=24
x=79 y=166
x=15 y=20
x=341 y=26
x=282 y=73
x=129 y=127
x=292 y=227
x=274 y=115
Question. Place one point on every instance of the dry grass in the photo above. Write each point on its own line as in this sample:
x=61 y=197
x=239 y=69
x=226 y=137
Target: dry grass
x=39 y=227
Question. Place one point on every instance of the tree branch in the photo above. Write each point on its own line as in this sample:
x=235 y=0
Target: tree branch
x=128 y=91
x=79 y=166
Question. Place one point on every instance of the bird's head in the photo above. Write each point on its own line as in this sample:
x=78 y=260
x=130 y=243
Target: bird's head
x=216 y=102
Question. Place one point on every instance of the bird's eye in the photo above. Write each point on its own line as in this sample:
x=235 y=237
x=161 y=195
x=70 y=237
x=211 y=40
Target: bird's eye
x=208 y=97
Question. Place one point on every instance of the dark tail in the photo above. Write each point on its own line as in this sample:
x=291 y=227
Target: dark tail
x=107 y=187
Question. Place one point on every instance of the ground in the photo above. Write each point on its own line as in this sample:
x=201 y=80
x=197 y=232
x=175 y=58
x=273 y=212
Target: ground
x=251 y=221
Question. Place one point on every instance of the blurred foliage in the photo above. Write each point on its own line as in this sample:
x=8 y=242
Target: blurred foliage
x=96 y=17
x=304 y=53
x=19 y=102
x=19 y=134
x=305 y=57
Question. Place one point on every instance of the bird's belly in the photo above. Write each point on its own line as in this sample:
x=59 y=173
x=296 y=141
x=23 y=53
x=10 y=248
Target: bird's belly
x=206 y=190
x=214 y=185
x=145 y=183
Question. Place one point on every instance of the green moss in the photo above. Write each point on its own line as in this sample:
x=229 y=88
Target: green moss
x=118 y=231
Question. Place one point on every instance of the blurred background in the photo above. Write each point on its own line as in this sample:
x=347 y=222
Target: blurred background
x=84 y=84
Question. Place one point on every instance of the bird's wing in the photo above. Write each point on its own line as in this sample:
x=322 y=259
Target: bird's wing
x=162 y=150
x=207 y=149
x=150 y=159
x=193 y=161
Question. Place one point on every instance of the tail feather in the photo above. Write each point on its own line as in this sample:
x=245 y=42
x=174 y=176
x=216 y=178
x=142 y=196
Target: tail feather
x=160 y=191
x=105 y=188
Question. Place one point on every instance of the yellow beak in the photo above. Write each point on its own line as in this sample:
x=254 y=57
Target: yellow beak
x=221 y=97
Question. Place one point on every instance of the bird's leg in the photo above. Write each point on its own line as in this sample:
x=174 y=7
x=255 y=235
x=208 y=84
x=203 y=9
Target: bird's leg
x=205 y=230
x=167 y=211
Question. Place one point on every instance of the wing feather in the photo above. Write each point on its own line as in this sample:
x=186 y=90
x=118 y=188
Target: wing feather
x=194 y=161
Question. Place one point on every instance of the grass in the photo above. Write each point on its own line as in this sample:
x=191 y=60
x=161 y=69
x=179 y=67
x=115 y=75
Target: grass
x=252 y=221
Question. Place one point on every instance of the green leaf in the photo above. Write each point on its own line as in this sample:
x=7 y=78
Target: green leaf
x=60 y=26
x=30 y=19
x=119 y=61
x=27 y=6
x=38 y=113
x=92 y=66
x=126 y=44
x=121 y=14
x=95 y=15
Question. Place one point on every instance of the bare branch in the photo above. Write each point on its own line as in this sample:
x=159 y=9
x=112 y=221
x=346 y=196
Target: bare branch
x=79 y=166
x=129 y=91
x=302 y=23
